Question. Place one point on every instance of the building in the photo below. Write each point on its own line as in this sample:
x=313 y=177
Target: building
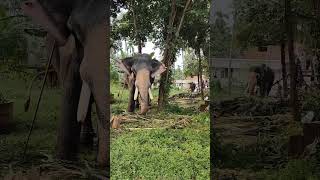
x=185 y=83
x=255 y=56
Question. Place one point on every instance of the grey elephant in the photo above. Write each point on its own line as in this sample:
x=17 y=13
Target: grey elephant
x=141 y=71
x=262 y=77
x=79 y=30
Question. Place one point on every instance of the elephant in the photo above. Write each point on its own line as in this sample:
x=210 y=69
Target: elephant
x=80 y=32
x=262 y=77
x=141 y=71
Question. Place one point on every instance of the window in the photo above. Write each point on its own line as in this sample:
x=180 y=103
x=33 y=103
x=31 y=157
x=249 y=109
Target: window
x=225 y=72
x=262 y=49
x=222 y=73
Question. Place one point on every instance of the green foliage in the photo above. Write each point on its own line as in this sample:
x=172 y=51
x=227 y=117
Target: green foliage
x=311 y=102
x=178 y=73
x=12 y=42
x=220 y=36
x=190 y=63
x=3 y=99
x=260 y=23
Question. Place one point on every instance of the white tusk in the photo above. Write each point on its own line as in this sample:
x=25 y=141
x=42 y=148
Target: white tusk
x=136 y=93
x=83 y=102
x=150 y=94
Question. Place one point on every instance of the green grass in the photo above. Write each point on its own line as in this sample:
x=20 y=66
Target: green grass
x=177 y=152
x=43 y=139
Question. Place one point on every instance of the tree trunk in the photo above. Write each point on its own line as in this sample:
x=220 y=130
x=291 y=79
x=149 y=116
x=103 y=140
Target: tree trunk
x=293 y=75
x=162 y=99
x=200 y=85
x=136 y=29
x=284 y=70
x=140 y=47
x=168 y=55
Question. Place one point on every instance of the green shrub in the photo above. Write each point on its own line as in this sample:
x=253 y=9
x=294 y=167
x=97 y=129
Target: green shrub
x=3 y=99
x=296 y=170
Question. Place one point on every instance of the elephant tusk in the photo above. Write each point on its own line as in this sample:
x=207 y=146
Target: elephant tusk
x=150 y=94
x=136 y=94
x=83 y=102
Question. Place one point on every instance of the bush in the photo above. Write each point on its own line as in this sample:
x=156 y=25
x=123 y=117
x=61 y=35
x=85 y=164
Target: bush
x=295 y=169
x=311 y=102
x=3 y=99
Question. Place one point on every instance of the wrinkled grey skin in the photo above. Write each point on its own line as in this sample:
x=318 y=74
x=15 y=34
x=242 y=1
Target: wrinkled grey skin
x=141 y=71
x=263 y=77
x=80 y=31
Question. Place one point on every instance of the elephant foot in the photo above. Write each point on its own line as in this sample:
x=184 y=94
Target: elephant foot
x=103 y=159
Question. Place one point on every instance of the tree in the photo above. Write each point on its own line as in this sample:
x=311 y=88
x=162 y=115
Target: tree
x=136 y=23
x=178 y=73
x=194 y=32
x=171 y=34
x=12 y=42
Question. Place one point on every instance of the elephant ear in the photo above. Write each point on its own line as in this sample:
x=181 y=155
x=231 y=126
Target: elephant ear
x=126 y=65
x=157 y=68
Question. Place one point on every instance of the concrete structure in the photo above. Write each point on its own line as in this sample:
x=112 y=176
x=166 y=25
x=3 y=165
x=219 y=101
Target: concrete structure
x=269 y=55
x=185 y=83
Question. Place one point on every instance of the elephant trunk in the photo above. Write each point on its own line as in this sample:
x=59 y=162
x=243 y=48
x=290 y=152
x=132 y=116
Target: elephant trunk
x=144 y=100
x=143 y=86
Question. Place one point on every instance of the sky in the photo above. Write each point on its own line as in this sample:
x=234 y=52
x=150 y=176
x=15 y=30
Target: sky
x=150 y=47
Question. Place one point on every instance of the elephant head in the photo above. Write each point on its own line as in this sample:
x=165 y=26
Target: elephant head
x=261 y=77
x=141 y=71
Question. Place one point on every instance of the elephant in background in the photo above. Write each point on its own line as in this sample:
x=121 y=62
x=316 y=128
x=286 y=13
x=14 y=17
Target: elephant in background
x=79 y=30
x=141 y=70
x=262 y=77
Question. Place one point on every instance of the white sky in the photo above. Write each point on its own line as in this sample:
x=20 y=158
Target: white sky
x=150 y=47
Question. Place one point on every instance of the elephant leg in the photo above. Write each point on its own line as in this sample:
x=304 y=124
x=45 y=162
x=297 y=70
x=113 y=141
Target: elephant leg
x=87 y=133
x=93 y=71
x=69 y=128
x=131 y=103
x=268 y=89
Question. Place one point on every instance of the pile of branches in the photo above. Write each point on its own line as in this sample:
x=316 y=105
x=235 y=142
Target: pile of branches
x=250 y=106
x=57 y=170
x=185 y=95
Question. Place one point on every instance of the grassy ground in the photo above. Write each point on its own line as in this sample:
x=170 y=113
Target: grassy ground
x=170 y=144
x=41 y=149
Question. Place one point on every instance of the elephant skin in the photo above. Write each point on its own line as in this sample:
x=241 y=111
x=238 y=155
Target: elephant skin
x=141 y=71
x=261 y=77
x=80 y=30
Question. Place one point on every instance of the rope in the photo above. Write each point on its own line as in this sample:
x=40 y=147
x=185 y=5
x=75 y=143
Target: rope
x=38 y=103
